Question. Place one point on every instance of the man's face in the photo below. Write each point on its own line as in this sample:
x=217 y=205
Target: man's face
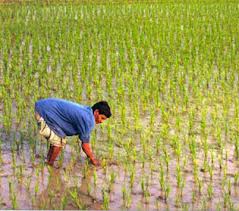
x=99 y=118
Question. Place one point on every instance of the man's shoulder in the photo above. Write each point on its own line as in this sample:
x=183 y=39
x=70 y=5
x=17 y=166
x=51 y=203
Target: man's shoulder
x=85 y=112
x=85 y=117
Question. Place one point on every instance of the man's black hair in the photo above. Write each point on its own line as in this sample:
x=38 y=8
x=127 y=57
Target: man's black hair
x=103 y=108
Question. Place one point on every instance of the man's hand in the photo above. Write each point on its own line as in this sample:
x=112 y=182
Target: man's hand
x=86 y=148
x=95 y=162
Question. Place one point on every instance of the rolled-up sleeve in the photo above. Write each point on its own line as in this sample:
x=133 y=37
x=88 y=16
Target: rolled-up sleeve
x=84 y=139
x=83 y=131
x=84 y=126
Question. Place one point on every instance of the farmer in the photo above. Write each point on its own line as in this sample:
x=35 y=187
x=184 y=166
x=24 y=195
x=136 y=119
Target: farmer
x=58 y=118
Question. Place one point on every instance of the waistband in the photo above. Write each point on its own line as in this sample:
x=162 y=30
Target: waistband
x=37 y=116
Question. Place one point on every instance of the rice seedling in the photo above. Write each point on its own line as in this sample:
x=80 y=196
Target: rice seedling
x=236 y=177
x=210 y=191
x=145 y=188
x=36 y=189
x=126 y=197
x=132 y=178
x=180 y=179
x=112 y=180
x=74 y=195
x=12 y=195
x=166 y=158
x=165 y=187
x=64 y=202
x=95 y=177
x=106 y=199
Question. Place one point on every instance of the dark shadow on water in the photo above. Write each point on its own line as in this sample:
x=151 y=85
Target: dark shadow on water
x=58 y=196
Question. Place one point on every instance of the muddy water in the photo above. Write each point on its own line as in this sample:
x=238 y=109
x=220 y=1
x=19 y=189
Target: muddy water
x=27 y=183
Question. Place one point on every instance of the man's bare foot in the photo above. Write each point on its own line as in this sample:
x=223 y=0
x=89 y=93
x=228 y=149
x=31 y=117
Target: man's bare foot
x=112 y=163
x=37 y=156
x=53 y=165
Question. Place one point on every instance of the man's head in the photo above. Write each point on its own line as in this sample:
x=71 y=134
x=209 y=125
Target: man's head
x=101 y=111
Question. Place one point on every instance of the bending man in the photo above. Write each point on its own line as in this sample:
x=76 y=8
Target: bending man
x=58 y=118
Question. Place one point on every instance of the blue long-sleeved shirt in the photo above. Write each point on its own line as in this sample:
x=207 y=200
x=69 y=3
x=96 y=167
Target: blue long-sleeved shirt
x=67 y=118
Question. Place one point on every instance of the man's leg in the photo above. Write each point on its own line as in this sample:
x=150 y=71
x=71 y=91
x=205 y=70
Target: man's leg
x=56 y=143
x=49 y=152
x=53 y=152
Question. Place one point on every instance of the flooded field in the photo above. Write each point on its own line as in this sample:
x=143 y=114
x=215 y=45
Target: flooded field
x=169 y=71
x=28 y=183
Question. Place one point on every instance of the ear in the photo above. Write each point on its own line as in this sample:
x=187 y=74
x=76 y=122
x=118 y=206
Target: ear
x=96 y=112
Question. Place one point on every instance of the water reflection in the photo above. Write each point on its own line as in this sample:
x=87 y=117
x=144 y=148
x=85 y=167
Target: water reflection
x=58 y=195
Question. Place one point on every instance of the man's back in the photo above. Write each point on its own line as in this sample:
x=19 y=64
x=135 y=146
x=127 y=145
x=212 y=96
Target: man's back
x=66 y=118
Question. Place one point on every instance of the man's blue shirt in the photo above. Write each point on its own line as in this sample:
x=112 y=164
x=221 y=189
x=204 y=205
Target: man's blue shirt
x=67 y=118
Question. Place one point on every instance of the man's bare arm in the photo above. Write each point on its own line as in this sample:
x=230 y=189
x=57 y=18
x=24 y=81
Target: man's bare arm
x=87 y=149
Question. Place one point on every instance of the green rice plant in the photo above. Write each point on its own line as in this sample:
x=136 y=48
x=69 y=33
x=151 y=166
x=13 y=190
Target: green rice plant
x=105 y=167
x=194 y=196
x=204 y=204
x=158 y=145
x=167 y=192
x=28 y=181
x=74 y=195
x=218 y=206
x=86 y=170
x=199 y=184
x=106 y=199
x=123 y=115
x=210 y=170
x=185 y=206
x=88 y=189
x=210 y=191
x=165 y=187
x=132 y=178
x=145 y=188
x=111 y=150
x=12 y=195
x=19 y=173
x=36 y=188
x=177 y=147
x=193 y=147
x=32 y=155
x=164 y=131
x=127 y=200
x=227 y=202
x=1 y=159
x=178 y=201
x=226 y=158
x=13 y=160
x=203 y=123
x=219 y=138
x=134 y=154
x=184 y=162
x=64 y=202
x=112 y=177
x=191 y=122
x=178 y=124
x=236 y=146
x=236 y=178
x=166 y=158
x=152 y=118
x=229 y=187
x=137 y=124
x=95 y=177
x=180 y=179
x=205 y=151
x=212 y=156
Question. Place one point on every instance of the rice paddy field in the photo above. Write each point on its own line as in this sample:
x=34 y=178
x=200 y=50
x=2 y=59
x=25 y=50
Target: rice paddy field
x=170 y=72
